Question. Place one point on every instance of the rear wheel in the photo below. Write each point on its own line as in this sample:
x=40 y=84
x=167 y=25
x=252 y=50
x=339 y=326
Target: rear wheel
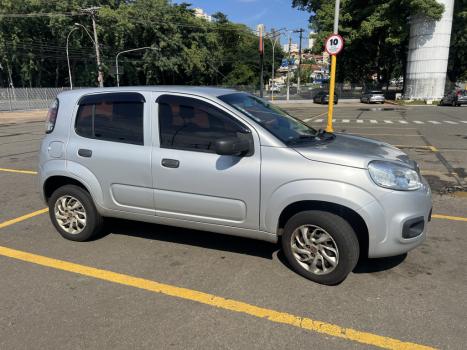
x=74 y=214
x=320 y=246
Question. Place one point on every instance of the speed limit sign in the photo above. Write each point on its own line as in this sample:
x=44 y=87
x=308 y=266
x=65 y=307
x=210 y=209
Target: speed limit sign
x=334 y=44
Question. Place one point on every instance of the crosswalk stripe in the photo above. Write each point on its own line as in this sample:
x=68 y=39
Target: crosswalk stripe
x=450 y=122
x=318 y=120
x=345 y=120
x=464 y=121
x=403 y=121
x=433 y=122
x=373 y=121
x=418 y=122
x=388 y=121
x=359 y=121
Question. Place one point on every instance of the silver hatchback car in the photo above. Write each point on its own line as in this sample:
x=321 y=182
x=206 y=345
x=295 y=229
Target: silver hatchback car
x=225 y=161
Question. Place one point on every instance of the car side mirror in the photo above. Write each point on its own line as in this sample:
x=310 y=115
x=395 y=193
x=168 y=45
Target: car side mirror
x=231 y=146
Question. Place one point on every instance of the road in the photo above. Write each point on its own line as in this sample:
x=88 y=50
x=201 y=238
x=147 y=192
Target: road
x=253 y=301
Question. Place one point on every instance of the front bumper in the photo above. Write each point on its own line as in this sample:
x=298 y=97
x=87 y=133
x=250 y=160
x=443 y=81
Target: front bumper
x=397 y=222
x=377 y=99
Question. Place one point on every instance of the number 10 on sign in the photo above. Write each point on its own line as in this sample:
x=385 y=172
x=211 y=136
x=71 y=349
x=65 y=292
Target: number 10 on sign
x=333 y=46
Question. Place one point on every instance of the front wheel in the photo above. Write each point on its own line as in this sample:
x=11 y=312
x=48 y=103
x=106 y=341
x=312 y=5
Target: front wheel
x=74 y=214
x=320 y=246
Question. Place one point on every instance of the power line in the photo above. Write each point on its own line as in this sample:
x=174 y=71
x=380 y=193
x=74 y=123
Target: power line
x=40 y=14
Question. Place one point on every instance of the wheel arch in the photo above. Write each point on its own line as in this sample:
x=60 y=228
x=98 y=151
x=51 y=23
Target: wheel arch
x=351 y=216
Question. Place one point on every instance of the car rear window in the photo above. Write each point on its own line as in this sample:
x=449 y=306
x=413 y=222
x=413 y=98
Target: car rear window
x=114 y=117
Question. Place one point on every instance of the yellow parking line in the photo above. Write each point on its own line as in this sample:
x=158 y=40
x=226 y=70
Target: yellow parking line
x=448 y=217
x=216 y=301
x=431 y=148
x=19 y=171
x=22 y=218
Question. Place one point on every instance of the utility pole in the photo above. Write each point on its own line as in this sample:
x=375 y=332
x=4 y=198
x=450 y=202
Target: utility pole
x=301 y=30
x=261 y=61
x=288 y=68
x=92 y=12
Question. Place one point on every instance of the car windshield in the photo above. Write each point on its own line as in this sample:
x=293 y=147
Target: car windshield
x=377 y=92
x=282 y=125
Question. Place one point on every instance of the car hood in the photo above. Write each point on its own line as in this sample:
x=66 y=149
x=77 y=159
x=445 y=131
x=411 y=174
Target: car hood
x=354 y=151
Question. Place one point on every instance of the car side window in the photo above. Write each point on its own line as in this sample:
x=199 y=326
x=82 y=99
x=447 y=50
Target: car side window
x=116 y=117
x=187 y=123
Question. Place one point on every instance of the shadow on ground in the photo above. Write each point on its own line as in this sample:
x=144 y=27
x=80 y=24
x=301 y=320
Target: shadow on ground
x=196 y=238
x=227 y=243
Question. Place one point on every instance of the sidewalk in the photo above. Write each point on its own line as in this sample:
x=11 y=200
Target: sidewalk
x=23 y=116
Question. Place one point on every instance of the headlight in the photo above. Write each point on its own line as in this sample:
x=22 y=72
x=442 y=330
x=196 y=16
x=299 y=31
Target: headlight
x=394 y=176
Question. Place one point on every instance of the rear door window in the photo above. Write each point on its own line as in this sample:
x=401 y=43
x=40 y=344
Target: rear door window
x=116 y=117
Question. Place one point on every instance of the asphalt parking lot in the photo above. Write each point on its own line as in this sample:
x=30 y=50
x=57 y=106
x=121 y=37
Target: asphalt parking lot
x=156 y=287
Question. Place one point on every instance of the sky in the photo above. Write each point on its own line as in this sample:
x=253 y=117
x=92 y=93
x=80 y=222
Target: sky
x=272 y=13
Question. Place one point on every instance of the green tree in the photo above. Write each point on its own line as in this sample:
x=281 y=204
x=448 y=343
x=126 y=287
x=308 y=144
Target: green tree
x=375 y=32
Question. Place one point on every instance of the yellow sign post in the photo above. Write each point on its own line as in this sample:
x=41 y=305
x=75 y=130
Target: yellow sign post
x=329 y=127
x=333 y=45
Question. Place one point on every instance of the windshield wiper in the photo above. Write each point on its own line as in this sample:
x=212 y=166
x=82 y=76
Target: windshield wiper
x=302 y=138
x=325 y=135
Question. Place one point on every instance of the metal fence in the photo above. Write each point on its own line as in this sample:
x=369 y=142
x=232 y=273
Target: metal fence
x=12 y=99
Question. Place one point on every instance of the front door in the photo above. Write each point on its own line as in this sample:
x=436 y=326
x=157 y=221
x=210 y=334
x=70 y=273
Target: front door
x=111 y=139
x=191 y=181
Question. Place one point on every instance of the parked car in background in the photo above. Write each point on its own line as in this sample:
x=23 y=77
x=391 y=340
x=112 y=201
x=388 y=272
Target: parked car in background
x=455 y=98
x=225 y=161
x=372 y=96
x=323 y=97
x=275 y=88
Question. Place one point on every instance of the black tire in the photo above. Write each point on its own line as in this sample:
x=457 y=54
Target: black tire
x=341 y=232
x=94 y=220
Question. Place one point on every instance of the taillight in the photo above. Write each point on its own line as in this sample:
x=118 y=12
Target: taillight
x=51 y=117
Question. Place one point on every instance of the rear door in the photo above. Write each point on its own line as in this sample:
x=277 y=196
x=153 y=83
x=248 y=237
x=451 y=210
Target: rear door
x=111 y=138
x=191 y=181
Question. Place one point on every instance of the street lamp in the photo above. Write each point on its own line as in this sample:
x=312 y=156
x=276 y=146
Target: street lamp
x=68 y=57
x=273 y=37
x=125 y=51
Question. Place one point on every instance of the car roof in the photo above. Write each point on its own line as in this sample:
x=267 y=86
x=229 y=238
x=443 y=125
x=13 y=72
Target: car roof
x=205 y=91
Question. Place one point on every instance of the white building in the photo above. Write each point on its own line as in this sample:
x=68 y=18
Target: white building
x=201 y=14
x=260 y=28
x=311 y=40
x=293 y=47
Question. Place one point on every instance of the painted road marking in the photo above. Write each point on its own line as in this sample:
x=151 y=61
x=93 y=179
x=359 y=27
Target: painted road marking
x=448 y=217
x=431 y=148
x=374 y=121
x=19 y=171
x=214 y=300
x=22 y=218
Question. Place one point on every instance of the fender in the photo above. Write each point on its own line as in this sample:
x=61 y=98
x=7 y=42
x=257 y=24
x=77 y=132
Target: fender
x=60 y=167
x=341 y=193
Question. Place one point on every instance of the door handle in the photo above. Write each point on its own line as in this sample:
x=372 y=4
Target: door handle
x=170 y=163
x=85 y=152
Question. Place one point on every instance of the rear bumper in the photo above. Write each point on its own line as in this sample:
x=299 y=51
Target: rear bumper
x=398 y=222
